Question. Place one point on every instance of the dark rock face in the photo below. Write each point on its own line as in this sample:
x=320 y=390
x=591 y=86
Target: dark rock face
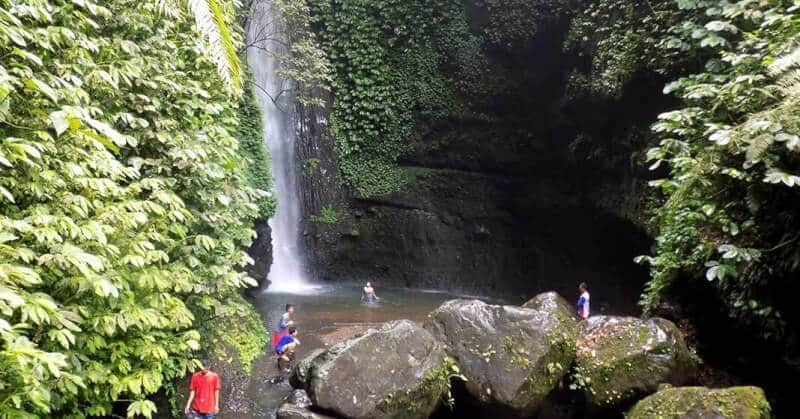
x=535 y=194
x=261 y=252
x=703 y=403
x=391 y=372
x=512 y=357
x=625 y=358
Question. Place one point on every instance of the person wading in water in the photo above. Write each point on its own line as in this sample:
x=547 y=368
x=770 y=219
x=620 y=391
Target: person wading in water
x=203 y=400
x=283 y=324
x=368 y=295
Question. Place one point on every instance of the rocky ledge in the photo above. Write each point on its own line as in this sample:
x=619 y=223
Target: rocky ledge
x=512 y=362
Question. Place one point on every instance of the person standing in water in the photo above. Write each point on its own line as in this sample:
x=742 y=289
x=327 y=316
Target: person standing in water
x=203 y=402
x=283 y=324
x=583 y=300
x=368 y=295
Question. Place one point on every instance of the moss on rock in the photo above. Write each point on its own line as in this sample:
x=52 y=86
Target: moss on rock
x=701 y=402
x=622 y=358
x=512 y=357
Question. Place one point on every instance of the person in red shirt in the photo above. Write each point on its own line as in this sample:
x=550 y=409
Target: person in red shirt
x=203 y=394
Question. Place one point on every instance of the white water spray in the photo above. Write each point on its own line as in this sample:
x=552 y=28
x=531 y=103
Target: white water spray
x=265 y=37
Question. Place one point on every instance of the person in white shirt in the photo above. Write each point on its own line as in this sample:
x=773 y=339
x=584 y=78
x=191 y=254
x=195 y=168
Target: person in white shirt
x=583 y=300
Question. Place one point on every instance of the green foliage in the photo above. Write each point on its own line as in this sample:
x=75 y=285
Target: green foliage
x=236 y=334
x=513 y=23
x=731 y=195
x=310 y=166
x=386 y=57
x=621 y=38
x=211 y=20
x=305 y=62
x=124 y=211
x=250 y=134
x=328 y=216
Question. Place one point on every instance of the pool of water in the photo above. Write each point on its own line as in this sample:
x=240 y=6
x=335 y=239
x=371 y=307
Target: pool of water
x=323 y=317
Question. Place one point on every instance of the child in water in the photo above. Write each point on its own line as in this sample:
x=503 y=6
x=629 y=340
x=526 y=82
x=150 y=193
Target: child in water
x=283 y=324
x=583 y=300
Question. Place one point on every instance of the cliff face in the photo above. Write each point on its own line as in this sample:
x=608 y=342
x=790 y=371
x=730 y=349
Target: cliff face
x=542 y=191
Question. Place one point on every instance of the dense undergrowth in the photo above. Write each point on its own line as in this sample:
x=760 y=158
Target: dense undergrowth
x=125 y=204
x=385 y=58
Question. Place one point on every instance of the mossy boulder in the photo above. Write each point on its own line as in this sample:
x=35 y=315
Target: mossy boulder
x=552 y=302
x=397 y=371
x=512 y=357
x=298 y=378
x=620 y=359
x=703 y=403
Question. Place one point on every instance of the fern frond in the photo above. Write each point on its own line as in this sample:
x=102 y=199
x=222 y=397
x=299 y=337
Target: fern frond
x=789 y=83
x=167 y=8
x=758 y=146
x=210 y=19
x=785 y=62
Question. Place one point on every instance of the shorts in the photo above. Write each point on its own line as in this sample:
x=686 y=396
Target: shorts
x=194 y=414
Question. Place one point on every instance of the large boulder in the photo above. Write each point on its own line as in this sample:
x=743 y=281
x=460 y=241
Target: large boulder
x=512 y=357
x=703 y=403
x=298 y=378
x=297 y=406
x=620 y=359
x=397 y=371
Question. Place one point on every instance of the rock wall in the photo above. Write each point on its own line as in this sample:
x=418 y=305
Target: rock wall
x=261 y=252
x=538 y=190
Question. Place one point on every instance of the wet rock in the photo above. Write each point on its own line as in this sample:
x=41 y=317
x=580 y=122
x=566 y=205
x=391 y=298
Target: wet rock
x=551 y=301
x=290 y=411
x=298 y=378
x=512 y=357
x=702 y=403
x=297 y=406
x=299 y=398
x=397 y=371
x=620 y=359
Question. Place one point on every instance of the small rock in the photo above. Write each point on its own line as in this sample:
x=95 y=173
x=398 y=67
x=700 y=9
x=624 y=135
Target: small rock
x=290 y=411
x=299 y=398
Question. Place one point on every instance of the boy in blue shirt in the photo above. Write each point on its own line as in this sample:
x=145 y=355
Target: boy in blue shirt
x=286 y=345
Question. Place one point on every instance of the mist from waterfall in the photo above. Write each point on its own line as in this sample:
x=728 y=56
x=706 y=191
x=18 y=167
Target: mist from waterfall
x=265 y=39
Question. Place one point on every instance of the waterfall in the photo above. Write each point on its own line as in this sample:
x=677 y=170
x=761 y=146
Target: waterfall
x=265 y=37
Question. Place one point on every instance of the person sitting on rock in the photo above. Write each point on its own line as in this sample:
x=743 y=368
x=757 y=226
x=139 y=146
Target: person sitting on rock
x=368 y=295
x=286 y=346
x=283 y=324
x=583 y=300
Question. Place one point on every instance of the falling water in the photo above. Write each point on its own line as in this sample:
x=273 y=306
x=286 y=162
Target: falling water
x=265 y=40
